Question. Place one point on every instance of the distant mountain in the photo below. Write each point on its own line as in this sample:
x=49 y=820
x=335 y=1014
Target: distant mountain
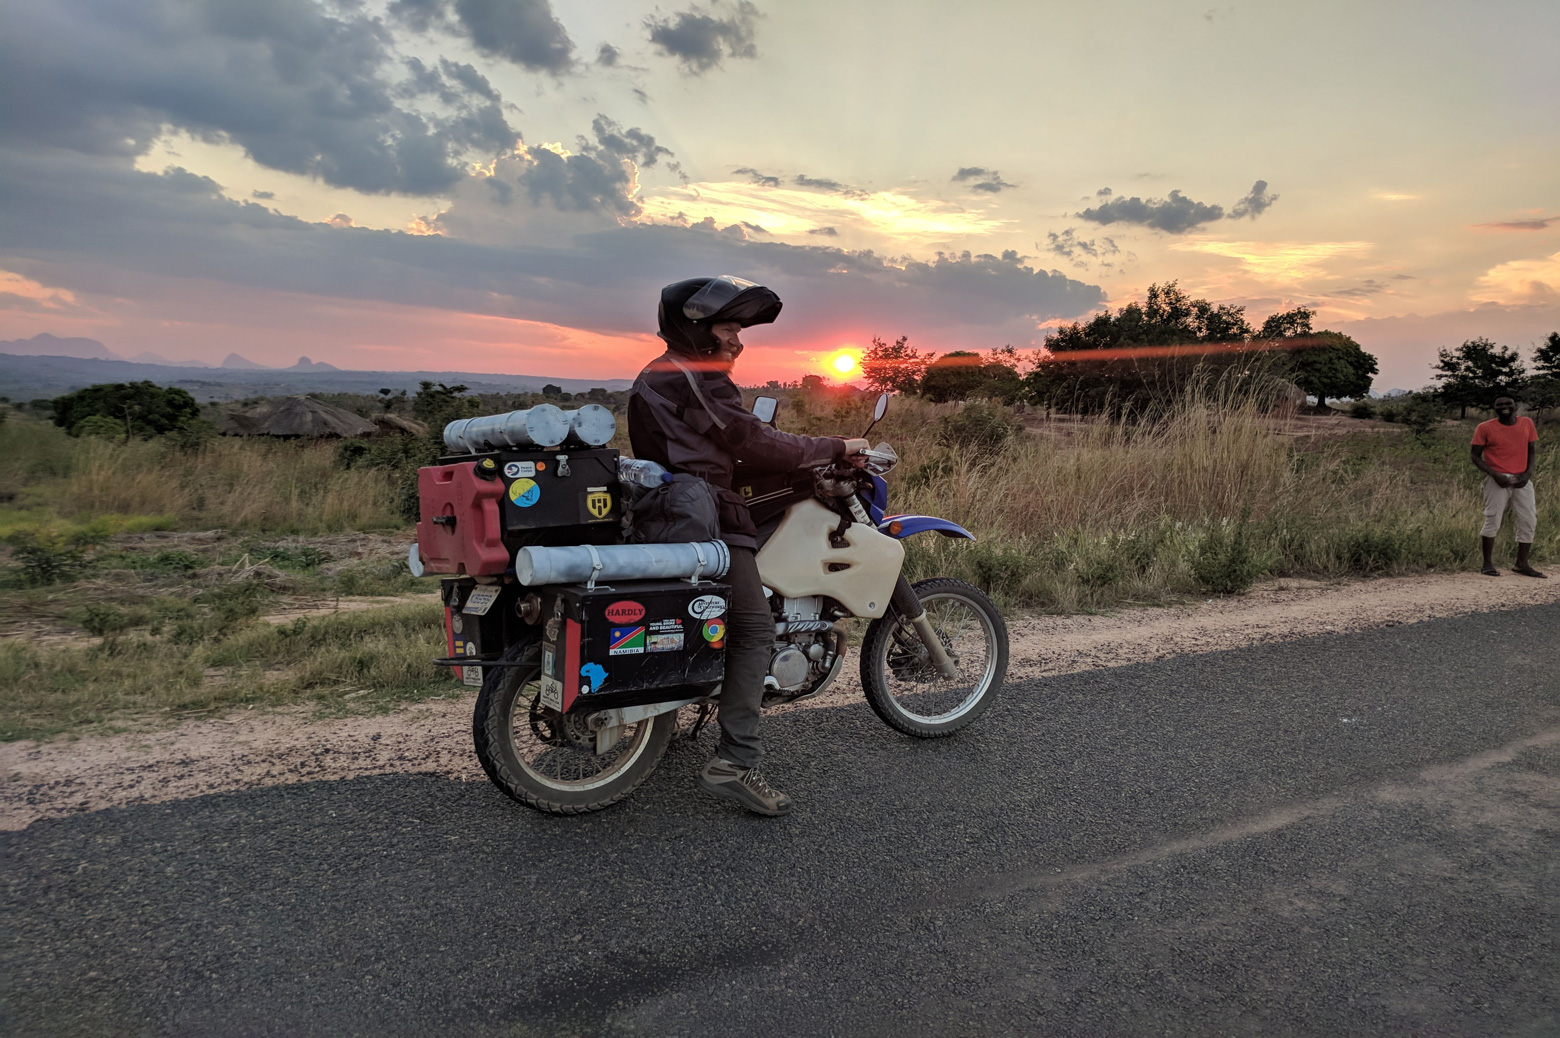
x=157 y=358
x=305 y=364
x=45 y=345
x=234 y=362
x=31 y=377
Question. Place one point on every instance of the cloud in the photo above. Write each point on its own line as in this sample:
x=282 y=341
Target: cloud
x=825 y=232
x=598 y=177
x=1255 y=203
x=94 y=228
x=700 y=40
x=989 y=179
x=632 y=143
x=525 y=32
x=607 y=55
x=1522 y=281
x=1103 y=192
x=821 y=183
x=1280 y=261
x=264 y=196
x=1069 y=246
x=1370 y=287
x=301 y=89
x=1174 y=215
x=761 y=179
x=1539 y=224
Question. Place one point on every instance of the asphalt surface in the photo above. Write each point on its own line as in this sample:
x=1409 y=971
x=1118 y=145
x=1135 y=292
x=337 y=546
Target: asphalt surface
x=1350 y=835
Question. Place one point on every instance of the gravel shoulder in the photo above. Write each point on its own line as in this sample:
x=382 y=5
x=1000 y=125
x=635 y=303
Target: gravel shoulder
x=254 y=749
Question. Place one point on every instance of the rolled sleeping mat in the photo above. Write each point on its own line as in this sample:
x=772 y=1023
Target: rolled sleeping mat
x=541 y=426
x=591 y=426
x=576 y=564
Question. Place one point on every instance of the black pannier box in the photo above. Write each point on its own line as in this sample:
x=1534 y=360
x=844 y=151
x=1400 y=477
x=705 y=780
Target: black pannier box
x=632 y=643
x=479 y=621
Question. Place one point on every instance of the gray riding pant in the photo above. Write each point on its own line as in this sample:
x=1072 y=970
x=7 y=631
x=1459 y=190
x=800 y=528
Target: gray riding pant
x=750 y=637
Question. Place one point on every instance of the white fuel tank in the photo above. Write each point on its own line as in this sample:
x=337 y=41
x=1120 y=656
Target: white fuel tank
x=798 y=561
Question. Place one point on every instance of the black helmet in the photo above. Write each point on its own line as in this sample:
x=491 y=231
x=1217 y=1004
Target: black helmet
x=689 y=308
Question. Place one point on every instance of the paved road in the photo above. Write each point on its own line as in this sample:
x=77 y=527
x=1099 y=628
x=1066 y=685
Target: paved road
x=1350 y=835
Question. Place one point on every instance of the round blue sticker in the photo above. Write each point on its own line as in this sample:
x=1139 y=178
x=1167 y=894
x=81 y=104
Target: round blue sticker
x=525 y=492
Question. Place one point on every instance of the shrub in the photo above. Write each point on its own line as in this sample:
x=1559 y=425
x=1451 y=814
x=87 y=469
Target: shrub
x=1421 y=419
x=46 y=560
x=1224 y=561
x=1362 y=409
x=977 y=429
x=100 y=619
x=99 y=425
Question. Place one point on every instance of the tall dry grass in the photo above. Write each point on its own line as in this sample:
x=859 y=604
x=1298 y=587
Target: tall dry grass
x=225 y=483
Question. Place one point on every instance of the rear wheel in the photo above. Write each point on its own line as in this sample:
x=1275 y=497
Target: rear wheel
x=548 y=761
x=904 y=687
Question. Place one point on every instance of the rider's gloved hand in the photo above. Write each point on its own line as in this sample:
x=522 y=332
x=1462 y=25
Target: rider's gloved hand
x=853 y=449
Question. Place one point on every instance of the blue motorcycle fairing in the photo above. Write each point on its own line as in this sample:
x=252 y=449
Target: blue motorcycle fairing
x=910 y=525
x=878 y=500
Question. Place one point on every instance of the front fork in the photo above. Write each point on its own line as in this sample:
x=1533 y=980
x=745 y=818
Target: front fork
x=909 y=607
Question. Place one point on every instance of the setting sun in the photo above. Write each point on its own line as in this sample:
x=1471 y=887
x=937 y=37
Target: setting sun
x=844 y=364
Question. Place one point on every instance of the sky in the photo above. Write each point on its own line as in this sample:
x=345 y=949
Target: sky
x=505 y=185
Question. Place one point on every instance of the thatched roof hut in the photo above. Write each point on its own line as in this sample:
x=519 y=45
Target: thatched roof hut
x=296 y=416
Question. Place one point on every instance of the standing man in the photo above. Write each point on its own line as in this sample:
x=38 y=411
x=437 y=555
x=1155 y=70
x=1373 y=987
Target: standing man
x=686 y=413
x=1504 y=449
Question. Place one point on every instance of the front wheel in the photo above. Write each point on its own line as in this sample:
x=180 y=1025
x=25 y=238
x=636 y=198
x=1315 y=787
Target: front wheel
x=903 y=686
x=548 y=761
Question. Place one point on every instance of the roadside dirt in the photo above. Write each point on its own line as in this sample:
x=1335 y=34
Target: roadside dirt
x=44 y=780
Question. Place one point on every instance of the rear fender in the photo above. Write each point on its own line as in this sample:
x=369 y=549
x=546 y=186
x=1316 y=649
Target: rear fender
x=909 y=525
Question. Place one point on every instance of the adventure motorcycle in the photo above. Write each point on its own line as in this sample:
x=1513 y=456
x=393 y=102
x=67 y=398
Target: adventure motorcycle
x=583 y=670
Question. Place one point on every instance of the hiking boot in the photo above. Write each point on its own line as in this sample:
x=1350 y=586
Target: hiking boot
x=744 y=785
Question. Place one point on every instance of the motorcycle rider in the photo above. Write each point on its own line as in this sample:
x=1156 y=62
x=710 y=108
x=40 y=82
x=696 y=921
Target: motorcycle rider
x=686 y=413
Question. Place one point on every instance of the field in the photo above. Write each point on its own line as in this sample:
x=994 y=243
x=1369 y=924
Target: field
x=149 y=582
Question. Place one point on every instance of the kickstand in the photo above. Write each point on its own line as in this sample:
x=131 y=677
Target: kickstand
x=706 y=711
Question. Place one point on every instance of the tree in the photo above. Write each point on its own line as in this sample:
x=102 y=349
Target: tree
x=1546 y=359
x=139 y=408
x=1477 y=372
x=953 y=376
x=551 y=391
x=1335 y=367
x=1291 y=324
x=894 y=367
x=1543 y=390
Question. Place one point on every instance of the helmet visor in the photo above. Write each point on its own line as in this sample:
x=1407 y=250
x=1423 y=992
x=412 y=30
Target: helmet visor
x=715 y=296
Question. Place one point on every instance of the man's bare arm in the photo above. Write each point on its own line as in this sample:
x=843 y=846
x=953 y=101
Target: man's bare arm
x=1526 y=474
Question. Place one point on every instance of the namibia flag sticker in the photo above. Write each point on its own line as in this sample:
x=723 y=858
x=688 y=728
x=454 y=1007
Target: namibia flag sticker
x=626 y=641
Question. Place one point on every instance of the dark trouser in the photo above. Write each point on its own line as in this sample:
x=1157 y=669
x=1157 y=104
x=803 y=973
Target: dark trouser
x=750 y=636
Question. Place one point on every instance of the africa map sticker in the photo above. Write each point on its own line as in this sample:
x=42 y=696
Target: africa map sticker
x=525 y=492
x=626 y=641
x=593 y=676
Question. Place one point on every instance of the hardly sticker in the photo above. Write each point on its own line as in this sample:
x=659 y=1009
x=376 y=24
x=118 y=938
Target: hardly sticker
x=626 y=641
x=520 y=468
x=524 y=492
x=624 y=612
x=715 y=633
x=593 y=676
x=706 y=606
x=664 y=642
x=598 y=504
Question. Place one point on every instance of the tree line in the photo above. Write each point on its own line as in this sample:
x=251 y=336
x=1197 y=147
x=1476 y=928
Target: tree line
x=1147 y=351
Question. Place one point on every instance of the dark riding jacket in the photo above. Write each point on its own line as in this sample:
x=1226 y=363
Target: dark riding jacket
x=687 y=415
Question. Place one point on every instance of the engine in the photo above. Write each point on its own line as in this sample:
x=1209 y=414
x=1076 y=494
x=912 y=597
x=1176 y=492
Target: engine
x=807 y=650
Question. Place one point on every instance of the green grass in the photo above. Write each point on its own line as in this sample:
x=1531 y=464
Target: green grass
x=365 y=660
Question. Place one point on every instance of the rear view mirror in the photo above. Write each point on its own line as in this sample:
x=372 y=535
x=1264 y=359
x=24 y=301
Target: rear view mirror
x=764 y=409
x=880 y=409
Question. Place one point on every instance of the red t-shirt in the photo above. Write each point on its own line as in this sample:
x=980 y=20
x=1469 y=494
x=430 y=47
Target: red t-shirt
x=1505 y=446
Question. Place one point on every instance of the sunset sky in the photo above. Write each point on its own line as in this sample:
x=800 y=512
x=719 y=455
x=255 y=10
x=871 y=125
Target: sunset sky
x=504 y=185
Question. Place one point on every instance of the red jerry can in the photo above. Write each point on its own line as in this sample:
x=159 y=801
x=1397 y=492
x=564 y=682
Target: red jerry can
x=460 y=529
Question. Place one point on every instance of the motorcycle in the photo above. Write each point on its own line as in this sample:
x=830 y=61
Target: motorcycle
x=582 y=687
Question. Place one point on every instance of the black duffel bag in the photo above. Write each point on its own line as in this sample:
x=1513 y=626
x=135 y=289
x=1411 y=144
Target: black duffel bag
x=677 y=512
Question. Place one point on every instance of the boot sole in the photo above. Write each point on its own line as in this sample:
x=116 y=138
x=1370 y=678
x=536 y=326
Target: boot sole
x=725 y=792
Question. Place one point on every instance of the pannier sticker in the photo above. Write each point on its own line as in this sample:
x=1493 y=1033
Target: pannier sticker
x=456 y=623
x=668 y=625
x=715 y=633
x=665 y=642
x=547 y=661
x=471 y=676
x=525 y=492
x=480 y=600
x=460 y=647
x=551 y=630
x=552 y=692
x=624 y=612
x=520 y=468
x=626 y=641
x=599 y=504
x=592 y=677
x=706 y=606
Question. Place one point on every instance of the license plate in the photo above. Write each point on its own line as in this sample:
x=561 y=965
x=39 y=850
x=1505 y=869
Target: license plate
x=480 y=601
